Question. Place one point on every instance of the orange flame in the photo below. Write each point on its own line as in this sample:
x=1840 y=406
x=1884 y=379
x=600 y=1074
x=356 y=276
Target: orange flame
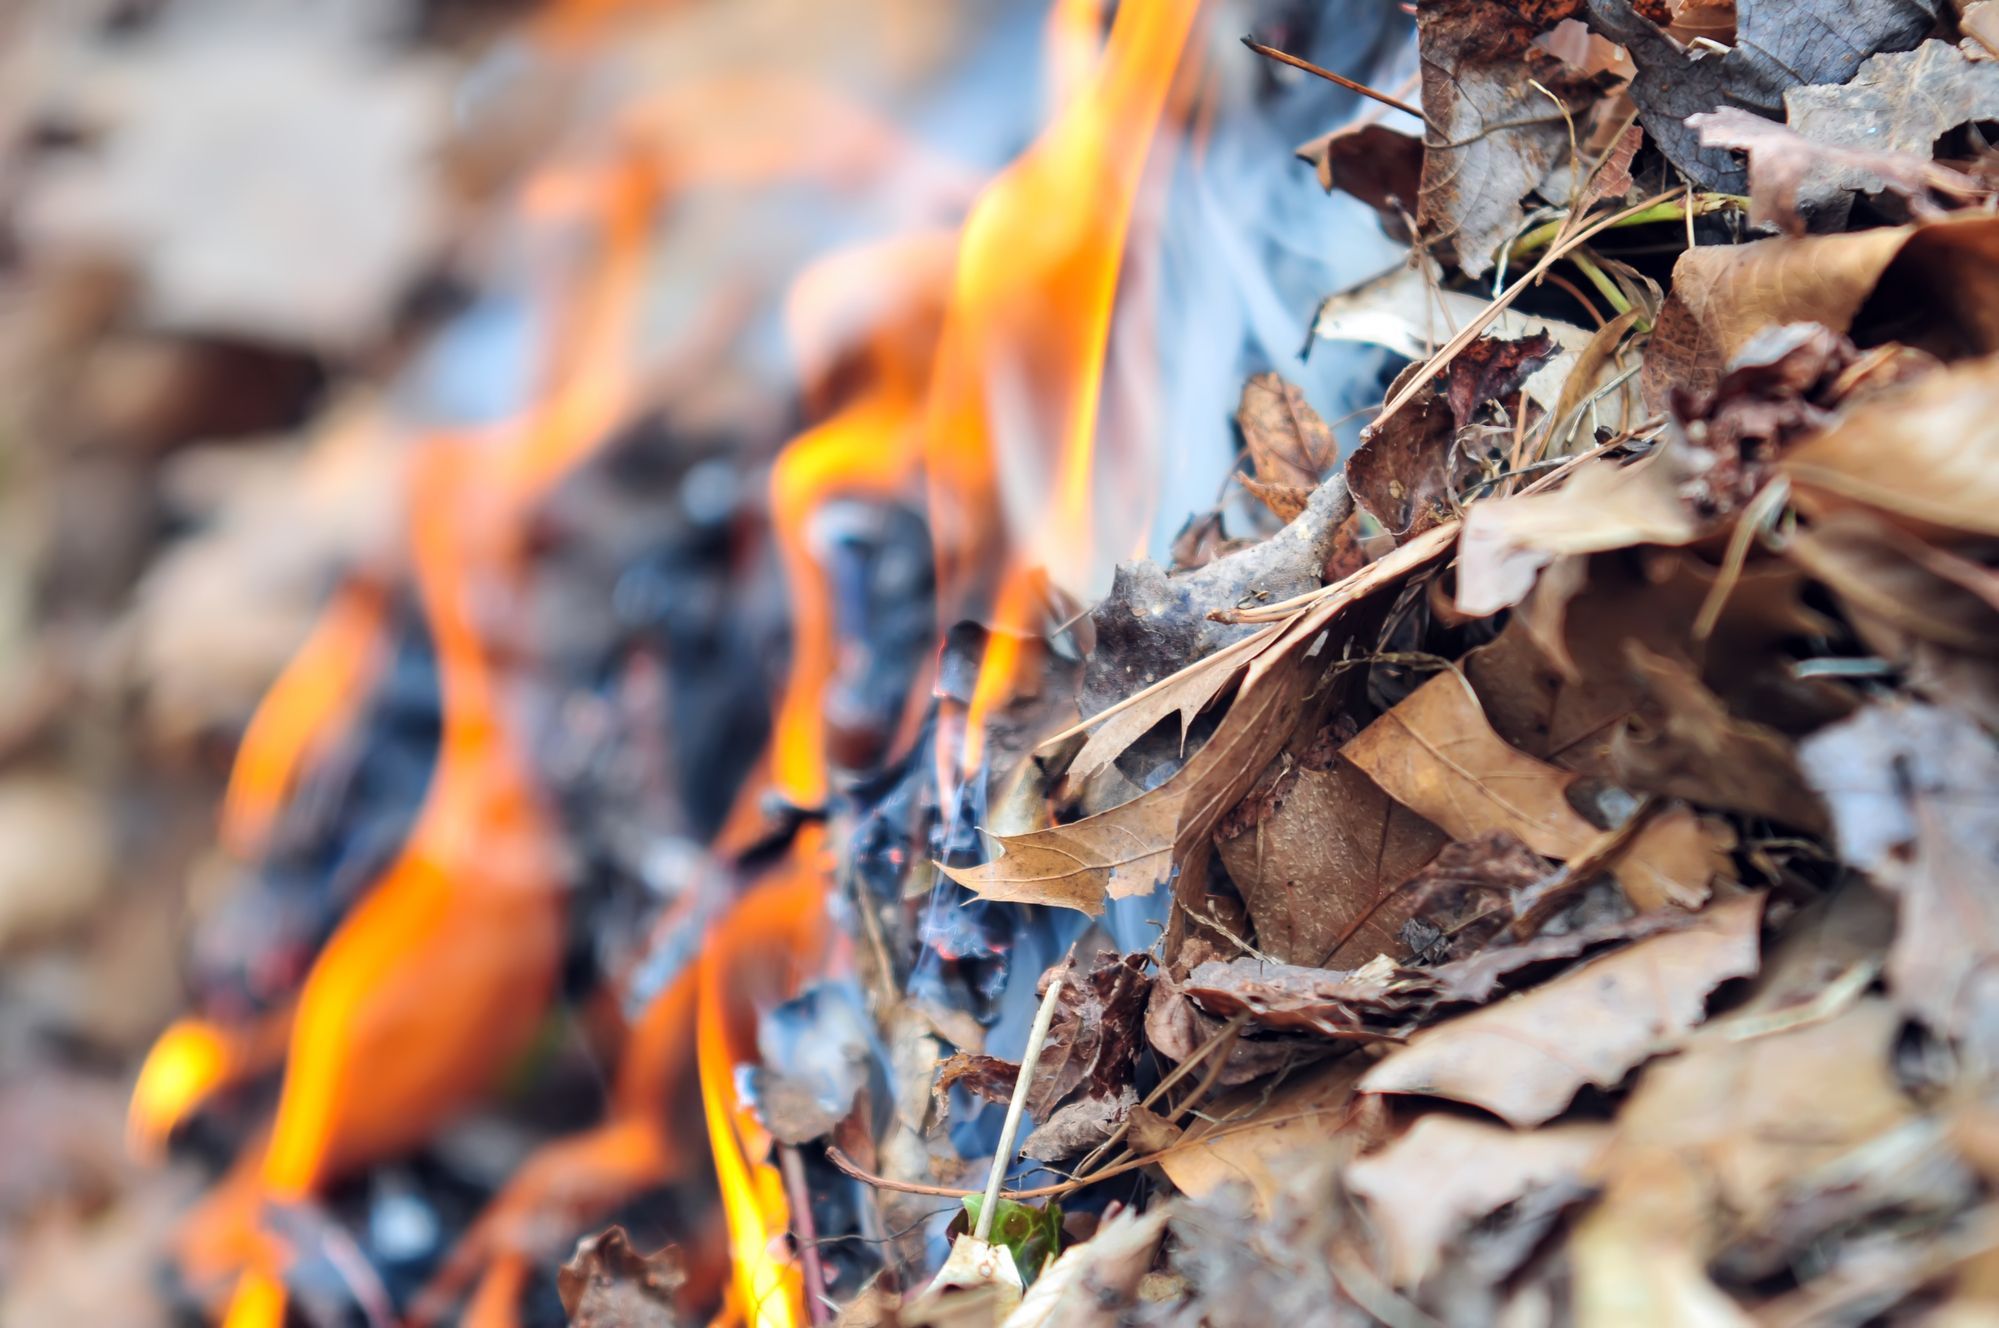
x=442 y=971
x=188 y=1064
x=312 y=699
x=753 y=959
x=1021 y=364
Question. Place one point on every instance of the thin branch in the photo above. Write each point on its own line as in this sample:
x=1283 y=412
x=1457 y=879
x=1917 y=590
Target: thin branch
x=1286 y=58
x=1037 y=1037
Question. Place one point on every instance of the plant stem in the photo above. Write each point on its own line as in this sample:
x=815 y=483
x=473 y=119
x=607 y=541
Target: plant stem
x=1003 y=1153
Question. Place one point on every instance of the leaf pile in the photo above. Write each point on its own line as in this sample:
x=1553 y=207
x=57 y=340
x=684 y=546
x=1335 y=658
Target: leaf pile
x=1583 y=906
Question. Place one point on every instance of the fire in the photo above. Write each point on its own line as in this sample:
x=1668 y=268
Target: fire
x=312 y=700
x=1021 y=365
x=754 y=958
x=190 y=1062
x=931 y=357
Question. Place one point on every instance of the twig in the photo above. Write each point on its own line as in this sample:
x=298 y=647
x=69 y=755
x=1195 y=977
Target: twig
x=1226 y=1034
x=1286 y=58
x=1037 y=1036
x=792 y=1167
x=847 y=1166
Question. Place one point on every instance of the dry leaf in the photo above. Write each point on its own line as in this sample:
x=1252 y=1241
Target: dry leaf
x=1791 y=175
x=1407 y=471
x=1914 y=793
x=1259 y=1139
x=1524 y=1059
x=1290 y=447
x=1318 y=873
x=1685 y=744
x=1404 y=310
x=1925 y=454
x=1382 y=167
x=1941 y=279
x=1778 y=45
x=1436 y=754
x=1129 y=849
x=608 y=1284
x=1880 y=572
x=1446 y=1174
x=1494 y=135
x=1901 y=102
x=1603 y=506
x=1291 y=998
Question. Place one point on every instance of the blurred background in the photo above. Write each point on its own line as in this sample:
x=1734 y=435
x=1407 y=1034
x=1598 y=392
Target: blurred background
x=266 y=261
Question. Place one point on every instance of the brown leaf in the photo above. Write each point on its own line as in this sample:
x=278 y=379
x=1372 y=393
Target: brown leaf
x=1436 y=754
x=1940 y=280
x=1432 y=1185
x=1318 y=874
x=1879 y=571
x=608 y=1284
x=1259 y=1139
x=1779 y=45
x=1129 y=849
x=1152 y=625
x=1290 y=998
x=1924 y=454
x=1494 y=135
x=1914 y=793
x=1685 y=744
x=1524 y=1059
x=1792 y=175
x=1288 y=443
x=1603 y=506
x=1476 y=979
x=1466 y=895
x=1180 y=1030
x=1094 y=1040
x=1382 y=167
x=1407 y=472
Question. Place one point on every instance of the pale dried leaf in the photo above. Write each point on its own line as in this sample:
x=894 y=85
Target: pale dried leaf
x=1603 y=506
x=1524 y=1059
x=1447 y=1173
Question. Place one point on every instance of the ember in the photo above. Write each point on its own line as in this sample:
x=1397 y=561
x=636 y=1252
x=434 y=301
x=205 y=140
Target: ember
x=627 y=552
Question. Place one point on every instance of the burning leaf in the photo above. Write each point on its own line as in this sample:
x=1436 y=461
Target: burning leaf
x=1914 y=793
x=1687 y=745
x=1723 y=295
x=1926 y=454
x=1792 y=175
x=1603 y=506
x=1493 y=134
x=608 y=1284
x=1318 y=873
x=1524 y=1059
x=1153 y=625
x=1129 y=849
x=1779 y=45
x=1436 y=754
x=1290 y=447
x=1429 y=1187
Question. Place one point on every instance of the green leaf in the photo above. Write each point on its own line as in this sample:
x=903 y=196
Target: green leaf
x=1031 y=1235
